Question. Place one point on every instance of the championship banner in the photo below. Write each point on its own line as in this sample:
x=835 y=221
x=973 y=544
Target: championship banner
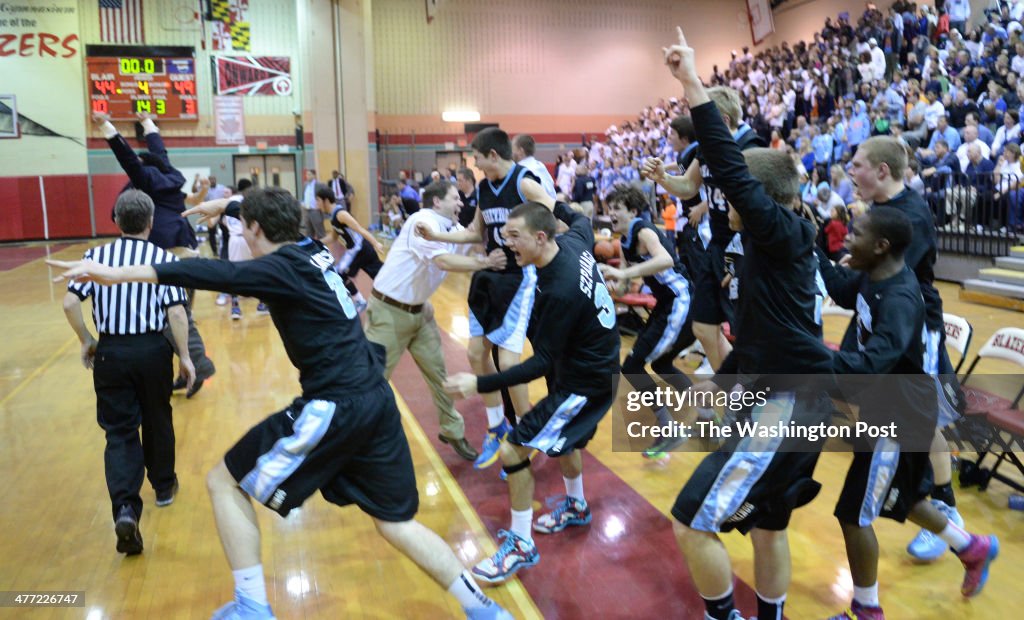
x=229 y=120
x=252 y=75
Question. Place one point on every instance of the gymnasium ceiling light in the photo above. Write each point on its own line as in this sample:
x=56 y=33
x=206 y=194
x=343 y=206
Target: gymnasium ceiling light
x=460 y=116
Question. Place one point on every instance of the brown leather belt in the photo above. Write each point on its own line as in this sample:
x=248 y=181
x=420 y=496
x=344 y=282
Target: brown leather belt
x=412 y=309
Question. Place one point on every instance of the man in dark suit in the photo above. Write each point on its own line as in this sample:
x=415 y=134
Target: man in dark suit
x=152 y=173
x=343 y=191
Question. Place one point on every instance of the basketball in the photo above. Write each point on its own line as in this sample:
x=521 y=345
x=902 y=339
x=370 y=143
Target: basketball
x=605 y=250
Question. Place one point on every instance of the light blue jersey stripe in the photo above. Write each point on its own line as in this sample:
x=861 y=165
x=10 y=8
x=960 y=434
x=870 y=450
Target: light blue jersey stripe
x=677 y=317
x=288 y=453
x=884 y=461
x=511 y=334
x=548 y=437
x=744 y=467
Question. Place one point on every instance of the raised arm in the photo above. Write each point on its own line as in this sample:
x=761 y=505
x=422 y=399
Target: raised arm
x=126 y=157
x=685 y=185
x=534 y=192
x=773 y=228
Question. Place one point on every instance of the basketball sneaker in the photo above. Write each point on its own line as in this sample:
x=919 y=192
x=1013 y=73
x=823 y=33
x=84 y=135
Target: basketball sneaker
x=857 y=611
x=980 y=552
x=513 y=554
x=262 y=309
x=493 y=611
x=222 y=299
x=492 y=444
x=663 y=446
x=569 y=511
x=243 y=608
x=928 y=547
x=236 y=313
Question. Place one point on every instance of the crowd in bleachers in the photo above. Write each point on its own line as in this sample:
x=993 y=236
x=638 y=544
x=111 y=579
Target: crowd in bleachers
x=945 y=80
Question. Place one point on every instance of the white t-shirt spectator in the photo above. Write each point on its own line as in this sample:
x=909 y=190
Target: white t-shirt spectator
x=932 y=113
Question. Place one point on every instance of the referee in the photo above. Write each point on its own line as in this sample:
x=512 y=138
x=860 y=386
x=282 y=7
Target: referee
x=132 y=366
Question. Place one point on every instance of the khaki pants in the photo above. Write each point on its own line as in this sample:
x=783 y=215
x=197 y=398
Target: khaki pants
x=397 y=330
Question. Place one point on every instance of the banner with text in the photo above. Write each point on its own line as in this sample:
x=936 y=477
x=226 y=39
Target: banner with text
x=40 y=55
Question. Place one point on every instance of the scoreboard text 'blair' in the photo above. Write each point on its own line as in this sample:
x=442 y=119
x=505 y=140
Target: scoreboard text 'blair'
x=123 y=86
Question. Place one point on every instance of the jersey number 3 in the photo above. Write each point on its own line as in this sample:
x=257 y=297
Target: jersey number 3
x=338 y=286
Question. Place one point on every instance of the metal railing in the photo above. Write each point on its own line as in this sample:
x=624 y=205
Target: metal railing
x=976 y=214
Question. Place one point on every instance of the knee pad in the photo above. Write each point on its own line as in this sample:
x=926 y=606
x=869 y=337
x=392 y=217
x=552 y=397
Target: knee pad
x=511 y=469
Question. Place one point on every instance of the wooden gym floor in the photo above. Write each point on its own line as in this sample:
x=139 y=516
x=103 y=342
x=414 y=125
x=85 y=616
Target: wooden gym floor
x=326 y=562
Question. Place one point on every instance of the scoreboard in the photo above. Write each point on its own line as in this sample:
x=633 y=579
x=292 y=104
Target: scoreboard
x=124 y=84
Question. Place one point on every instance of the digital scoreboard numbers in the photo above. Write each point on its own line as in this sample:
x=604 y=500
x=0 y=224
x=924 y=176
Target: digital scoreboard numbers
x=125 y=85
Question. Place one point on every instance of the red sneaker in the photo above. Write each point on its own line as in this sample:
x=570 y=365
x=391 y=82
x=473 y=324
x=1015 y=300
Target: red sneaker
x=976 y=558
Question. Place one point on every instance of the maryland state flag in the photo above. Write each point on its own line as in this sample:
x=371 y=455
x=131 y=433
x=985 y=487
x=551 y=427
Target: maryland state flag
x=240 y=36
x=230 y=24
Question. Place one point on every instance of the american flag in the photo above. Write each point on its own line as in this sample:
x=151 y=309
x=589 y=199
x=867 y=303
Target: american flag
x=121 y=21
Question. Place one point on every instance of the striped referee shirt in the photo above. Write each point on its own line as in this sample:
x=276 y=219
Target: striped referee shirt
x=129 y=308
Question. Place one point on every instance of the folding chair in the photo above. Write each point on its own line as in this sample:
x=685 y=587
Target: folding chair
x=958 y=336
x=630 y=320
x=1003 y=431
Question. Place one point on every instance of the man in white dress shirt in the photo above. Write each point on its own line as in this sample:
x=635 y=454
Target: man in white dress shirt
x=313 y=225
x=523 y=148
x=400 y=316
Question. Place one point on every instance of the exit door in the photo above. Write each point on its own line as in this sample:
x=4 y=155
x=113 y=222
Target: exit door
x=267 y=171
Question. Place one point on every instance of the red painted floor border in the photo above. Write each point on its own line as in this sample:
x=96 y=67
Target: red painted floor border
x=625 y=564
x=14 y=256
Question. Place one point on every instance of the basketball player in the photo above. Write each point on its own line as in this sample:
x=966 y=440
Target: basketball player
x=576 y=345
x=768 y=479
x=885 y=338
x=343 y=436
x=712 y=302
x=500 y=301
x=650 y=255
x=877 y=171
x=361 y=249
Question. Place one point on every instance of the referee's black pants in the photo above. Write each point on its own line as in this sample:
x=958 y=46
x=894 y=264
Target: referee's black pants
x=133 y=376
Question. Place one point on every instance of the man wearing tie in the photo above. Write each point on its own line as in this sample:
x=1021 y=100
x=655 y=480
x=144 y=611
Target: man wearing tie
x=343 y=192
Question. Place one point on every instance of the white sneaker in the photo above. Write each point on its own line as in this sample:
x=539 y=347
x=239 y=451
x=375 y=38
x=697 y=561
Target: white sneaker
x=222 y=299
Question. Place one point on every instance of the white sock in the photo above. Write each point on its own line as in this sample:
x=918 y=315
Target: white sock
x=522 y=523
x=955 y=536
x=866 y=596
x=574 y=487
x=249 y=581
x=495 y=416
x=468 y=593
